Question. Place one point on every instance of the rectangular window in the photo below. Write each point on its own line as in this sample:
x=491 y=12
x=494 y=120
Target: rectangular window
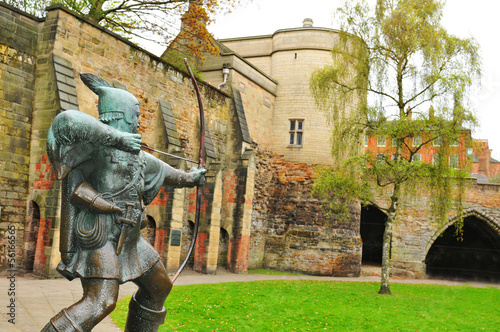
x=435 y=159
x=366 y=140
x=296 y=132
x=380 y=140
x=436 y=142
x=454 y=143
x=394 y=141
x=417 y=140
x=454 y=161
x=417 y=157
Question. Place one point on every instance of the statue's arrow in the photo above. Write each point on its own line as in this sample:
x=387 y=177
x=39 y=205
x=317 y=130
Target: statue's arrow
x=146 y=147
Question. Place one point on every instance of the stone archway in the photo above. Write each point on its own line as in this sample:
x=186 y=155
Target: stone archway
x=473 y=256
x=223 y=248
x=31 y=235
x=149 y=230
x=188 y=231
x=372 y=226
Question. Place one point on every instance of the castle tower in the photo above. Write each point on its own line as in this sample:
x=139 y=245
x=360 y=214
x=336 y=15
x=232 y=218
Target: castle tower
x=301 y=132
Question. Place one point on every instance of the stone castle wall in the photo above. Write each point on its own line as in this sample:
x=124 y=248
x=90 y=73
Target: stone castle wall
x=290 y=229
x=40 y=78
x=18 y=43
x=416 y=228
x=257 y=209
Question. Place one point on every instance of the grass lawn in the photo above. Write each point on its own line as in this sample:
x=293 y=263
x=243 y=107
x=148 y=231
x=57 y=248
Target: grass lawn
x=274 y=272
x=306 y=305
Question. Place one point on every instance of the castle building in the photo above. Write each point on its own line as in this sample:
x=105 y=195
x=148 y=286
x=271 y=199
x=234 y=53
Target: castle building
x=264 y=138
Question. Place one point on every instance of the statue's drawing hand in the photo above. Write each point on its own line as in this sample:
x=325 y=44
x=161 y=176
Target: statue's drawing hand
x=130 y=142
x=198 y=175
x=67 y=257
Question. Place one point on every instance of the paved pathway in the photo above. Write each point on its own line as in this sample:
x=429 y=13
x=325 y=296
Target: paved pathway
x=37 y=300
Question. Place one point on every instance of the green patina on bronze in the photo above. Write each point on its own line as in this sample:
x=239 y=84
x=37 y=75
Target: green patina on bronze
x=107 y=180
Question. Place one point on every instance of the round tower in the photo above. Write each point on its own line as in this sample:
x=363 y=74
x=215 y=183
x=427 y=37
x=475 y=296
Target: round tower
x=300 y=131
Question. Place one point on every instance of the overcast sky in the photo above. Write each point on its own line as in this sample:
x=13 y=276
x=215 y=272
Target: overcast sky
x=478 y=19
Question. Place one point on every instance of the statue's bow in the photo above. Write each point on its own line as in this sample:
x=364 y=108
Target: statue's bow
x=201 y=163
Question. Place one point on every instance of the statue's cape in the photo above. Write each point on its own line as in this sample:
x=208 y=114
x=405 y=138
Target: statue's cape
x=65 y=154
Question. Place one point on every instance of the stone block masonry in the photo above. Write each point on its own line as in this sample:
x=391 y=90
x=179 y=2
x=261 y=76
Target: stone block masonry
x=290 y=229
x=257 y=208
x=18 y=42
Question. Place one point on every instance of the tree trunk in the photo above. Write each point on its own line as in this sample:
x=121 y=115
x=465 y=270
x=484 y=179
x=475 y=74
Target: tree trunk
x=386 y=244
x=386 y=256
x=95 y=12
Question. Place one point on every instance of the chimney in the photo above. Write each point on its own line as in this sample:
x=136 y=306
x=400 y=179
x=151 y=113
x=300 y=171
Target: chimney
x=307 y=23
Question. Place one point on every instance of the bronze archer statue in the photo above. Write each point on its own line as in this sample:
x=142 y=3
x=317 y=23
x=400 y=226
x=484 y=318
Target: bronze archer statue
x=107 y=180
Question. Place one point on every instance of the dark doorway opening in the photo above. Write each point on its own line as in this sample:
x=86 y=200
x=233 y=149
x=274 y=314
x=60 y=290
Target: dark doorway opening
x=372 y=233
x=223 y=248
x=31 y=235
x=149 y=230
x=474 y=256
x=188 y=231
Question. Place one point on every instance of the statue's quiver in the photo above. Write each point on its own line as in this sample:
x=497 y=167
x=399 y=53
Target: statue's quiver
x=85 y=197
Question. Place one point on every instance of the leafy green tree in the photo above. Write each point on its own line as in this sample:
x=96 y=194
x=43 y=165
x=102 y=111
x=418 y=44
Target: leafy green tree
x=396 y=73
x=156 y=21
x=33 y=7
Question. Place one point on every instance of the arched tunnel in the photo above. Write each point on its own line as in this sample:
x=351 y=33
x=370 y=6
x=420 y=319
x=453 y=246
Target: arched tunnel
x=475 y=255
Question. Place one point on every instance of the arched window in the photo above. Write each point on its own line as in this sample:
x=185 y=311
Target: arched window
x=149 y=230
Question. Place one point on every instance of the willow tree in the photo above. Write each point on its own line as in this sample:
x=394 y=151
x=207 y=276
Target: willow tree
x=149 y=20
x=396 y=73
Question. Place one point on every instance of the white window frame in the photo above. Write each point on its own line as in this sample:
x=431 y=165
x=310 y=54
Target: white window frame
x=435 y=159
x=296 y=130
x=453 y=161
x=379 y=140
x=417 y=140
x=394 y=142
x=417 y=157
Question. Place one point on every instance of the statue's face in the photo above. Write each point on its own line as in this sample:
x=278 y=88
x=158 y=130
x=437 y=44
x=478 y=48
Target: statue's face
x=130 y=121
x=132 y=118
x=112 y=100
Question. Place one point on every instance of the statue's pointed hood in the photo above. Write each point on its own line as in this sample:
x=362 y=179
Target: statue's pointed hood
x=113 y=103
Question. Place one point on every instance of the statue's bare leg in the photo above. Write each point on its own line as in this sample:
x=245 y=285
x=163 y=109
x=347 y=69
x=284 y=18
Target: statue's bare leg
x=99 y=299
x=146 y=311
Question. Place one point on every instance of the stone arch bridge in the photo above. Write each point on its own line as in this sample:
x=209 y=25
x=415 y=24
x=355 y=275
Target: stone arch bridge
x=423 y=247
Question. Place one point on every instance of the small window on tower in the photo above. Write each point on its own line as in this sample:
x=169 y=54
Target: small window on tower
x=296 y=132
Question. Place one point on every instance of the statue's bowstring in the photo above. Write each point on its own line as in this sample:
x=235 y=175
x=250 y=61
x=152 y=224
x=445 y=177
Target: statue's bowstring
x=201 y=163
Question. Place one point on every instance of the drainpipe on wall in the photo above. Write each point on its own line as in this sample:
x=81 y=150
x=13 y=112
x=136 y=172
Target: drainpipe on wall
x=225 y=73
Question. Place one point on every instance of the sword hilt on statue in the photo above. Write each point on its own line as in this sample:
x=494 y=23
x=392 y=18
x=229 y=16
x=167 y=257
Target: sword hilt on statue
x=127 y=222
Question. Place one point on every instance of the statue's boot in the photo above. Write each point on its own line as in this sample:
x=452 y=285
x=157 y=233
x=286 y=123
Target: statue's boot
x=142 y=319
x=61 y=322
